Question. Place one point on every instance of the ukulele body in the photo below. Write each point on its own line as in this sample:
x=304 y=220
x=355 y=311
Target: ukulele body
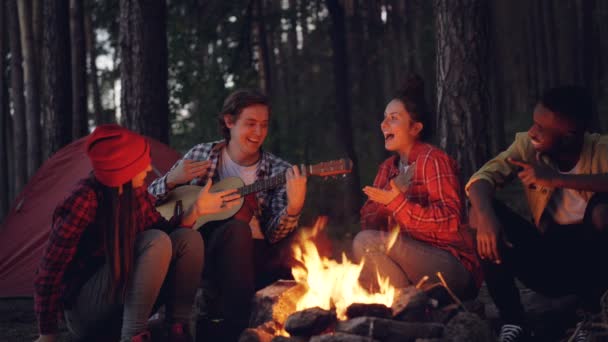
x=188 y=194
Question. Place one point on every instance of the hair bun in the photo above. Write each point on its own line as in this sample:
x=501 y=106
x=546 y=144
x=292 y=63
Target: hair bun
x=413 y=87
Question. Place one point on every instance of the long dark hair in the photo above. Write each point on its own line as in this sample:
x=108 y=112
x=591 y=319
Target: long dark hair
x=411 y=94
x=116 y=214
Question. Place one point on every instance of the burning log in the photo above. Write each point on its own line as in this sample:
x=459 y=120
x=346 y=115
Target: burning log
x=342 y=337
x=290 y=339
x=390 y=330
x=310 y=322
x=275 y=302
x=369 y=310
x=410 y=304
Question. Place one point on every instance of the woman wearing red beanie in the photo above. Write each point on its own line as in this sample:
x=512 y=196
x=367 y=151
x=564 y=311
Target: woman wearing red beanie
x=111 y=257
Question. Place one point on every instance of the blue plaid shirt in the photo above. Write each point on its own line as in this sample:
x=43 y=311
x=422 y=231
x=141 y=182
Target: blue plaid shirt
x=274 y=220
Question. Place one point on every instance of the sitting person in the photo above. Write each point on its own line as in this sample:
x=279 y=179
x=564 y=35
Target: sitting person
x=111 y=258
x=246 y=251
x=564 y=171
x=418 y=191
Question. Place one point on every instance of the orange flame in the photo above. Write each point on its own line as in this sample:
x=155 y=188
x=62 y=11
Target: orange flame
x=331 y=283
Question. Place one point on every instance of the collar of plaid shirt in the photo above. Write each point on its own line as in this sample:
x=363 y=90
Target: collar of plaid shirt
x=264 y=170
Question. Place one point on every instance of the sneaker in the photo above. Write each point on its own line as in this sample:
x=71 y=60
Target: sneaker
x=581 y=333
x=178 y=332
x=511 y=333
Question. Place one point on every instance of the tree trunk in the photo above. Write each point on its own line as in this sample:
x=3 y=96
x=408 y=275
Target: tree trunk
x=37 y=8
x=4 y=120
x=144 y=70
x=32 y=92
x=58 y=80
x=99 y=115
x=343 y=109
x=37 y=24
x=260 y=42
x=462 y=86
x=18 y=100
x=80 y=125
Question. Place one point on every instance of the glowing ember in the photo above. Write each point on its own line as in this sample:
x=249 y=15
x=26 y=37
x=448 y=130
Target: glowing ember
x=335 y=284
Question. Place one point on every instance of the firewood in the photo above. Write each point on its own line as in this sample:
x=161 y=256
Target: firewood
x=369 y=310
x=275 y=302
x=255 y=335
x=289 y=339
x=309 y=322
x=342 y=337
x=388 y=330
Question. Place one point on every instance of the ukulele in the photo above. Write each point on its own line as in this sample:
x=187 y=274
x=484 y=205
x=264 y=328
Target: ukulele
x=186 y=195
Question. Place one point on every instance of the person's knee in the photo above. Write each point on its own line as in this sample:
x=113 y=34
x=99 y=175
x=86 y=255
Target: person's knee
x=364 y=242
x=155 y=242
x=599 y=217
x=187 y=239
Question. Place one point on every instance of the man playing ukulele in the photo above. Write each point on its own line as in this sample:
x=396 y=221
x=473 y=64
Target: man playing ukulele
x=242 y=251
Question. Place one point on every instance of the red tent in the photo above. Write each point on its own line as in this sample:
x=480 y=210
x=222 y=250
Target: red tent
x=25 y=230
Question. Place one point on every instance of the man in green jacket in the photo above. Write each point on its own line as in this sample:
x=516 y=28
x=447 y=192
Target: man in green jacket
x=564 y=172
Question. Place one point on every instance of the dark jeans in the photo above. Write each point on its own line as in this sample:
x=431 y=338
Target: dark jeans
x=565 y=259
x=237 y=265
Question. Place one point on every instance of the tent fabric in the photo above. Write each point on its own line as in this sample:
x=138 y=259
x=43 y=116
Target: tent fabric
x=24 y=233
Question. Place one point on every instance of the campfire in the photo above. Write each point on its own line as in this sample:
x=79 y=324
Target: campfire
x=325 y=302
x=332 y=284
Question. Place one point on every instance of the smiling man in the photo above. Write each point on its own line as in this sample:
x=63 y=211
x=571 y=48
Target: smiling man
x=564 y=171
x=243 y=251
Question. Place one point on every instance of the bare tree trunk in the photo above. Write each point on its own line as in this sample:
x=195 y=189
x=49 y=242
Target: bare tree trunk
x=462 y=87
x=4 y=120
x=32 y=93
x=260 y=42
x=98 y=111
x=58 y=80
x=80 y=125
x=37 y=24
x=17 y=98
x=144 y=71
x=343 y=108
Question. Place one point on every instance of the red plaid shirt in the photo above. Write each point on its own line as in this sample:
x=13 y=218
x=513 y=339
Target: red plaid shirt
x=74 y=251
x=430 y=210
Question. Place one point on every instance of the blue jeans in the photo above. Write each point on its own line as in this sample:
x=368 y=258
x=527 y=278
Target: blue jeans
x=408 y=261
x=167 y=270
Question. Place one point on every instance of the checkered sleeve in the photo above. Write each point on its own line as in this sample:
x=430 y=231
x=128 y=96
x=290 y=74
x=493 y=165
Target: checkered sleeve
x=278 y=224
x=70 y=220
x=158 y=188
x=152 y=219
x=443 y=212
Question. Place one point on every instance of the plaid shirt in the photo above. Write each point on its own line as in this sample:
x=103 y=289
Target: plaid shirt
x=430 y=210
x=74 y=251
x=276 y=223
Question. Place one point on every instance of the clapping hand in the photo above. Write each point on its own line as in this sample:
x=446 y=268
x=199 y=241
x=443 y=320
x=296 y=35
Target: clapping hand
x=382 y=196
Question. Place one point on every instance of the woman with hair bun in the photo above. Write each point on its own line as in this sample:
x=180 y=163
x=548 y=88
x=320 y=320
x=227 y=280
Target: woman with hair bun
x=417 y=190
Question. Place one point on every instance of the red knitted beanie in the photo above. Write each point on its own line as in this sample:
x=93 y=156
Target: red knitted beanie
x=117 y=154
